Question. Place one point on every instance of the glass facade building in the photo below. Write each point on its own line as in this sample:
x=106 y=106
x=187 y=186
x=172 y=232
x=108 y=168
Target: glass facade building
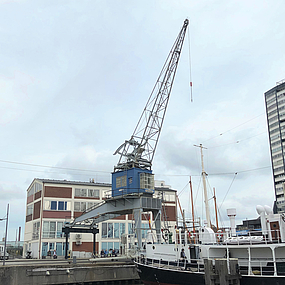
x=275 y=111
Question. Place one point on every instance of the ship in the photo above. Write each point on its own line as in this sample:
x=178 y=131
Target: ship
x=259 y=255
x=204 y=256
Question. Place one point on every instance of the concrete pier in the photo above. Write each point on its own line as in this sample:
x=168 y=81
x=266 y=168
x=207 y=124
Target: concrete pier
x=109 y=272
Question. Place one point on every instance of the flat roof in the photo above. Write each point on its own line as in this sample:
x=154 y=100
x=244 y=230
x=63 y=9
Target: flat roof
x=68 y=182
x=276 y=88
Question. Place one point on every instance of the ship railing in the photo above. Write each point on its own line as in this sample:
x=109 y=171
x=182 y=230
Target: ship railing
x=262 y=266
x=196 y=265
x=252 y=237
x=226 y=237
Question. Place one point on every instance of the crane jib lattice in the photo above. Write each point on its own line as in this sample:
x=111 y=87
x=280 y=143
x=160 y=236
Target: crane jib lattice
x=139 y=150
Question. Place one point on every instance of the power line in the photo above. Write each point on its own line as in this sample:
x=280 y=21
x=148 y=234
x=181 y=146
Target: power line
x=214 y=174
x=242 y=171
x=42 y=171
x=238 y=141
x=55 y=167
x=233 y=128
x=107 y=172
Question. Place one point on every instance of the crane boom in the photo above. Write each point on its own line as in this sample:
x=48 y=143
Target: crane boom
x=139 y=150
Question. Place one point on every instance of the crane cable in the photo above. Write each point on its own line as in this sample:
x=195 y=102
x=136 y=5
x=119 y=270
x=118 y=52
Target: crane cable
x=190 y=73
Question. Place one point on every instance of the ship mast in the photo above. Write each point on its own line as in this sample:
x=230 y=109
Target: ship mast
x=204 y=174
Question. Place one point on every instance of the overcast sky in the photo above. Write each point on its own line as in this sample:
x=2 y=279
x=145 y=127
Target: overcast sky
x=75 y=76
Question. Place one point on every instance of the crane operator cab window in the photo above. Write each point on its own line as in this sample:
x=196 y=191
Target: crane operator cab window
x=121 y=181
x=147 y=182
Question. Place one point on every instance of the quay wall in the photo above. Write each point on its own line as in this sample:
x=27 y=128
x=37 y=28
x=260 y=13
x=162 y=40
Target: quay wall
x=69 y=274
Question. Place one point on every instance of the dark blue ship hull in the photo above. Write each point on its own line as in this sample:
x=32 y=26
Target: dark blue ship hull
x=151 y=275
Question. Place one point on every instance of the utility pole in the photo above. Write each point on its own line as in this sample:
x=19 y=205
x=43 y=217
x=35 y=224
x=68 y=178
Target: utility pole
x=5 y=242
x=205 y=187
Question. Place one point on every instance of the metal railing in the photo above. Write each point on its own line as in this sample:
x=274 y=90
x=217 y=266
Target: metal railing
x=251 y=238
x=196 y=265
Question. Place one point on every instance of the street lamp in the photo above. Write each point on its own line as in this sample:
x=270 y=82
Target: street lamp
x=5 y=243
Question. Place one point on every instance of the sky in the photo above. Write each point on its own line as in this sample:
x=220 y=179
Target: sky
x=76 y=75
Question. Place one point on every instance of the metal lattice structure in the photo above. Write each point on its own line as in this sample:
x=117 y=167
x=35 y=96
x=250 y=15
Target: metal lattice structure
x=139 y=150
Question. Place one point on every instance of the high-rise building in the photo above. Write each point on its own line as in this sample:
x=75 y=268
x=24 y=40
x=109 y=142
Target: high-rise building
x=275 y=110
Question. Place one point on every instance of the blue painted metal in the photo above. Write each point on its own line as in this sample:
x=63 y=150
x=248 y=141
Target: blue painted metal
x=128 y=182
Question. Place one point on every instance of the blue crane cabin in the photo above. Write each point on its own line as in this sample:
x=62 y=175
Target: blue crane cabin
x=132 y=181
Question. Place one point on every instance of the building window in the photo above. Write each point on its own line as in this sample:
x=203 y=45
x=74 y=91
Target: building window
x=106 y=246
x=110 y=230
x=122 y=229
x=59 y=233
x=113 y=230
x=279 y=169
x=269 y=97
x=51 y=246
x=92 y=193
x=276 y=149
x=278 y=162
x=31 y=191
x=277 y=156
x=104 y=230
x=38 y=187
x=53 y=205
x=57 y=205
x=30 y=210
x=60 y=248
x=275 y=137
x=36 y=230
x=271 y=107
x=77 y=206
x=130 y=228
x=52 y=229
x=144 y=232
x=80 y=192
x=83 y=206
x=90 y=205
x=62 y=205
x=116 y=230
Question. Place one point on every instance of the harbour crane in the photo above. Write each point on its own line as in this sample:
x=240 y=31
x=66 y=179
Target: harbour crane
x=133 y=174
